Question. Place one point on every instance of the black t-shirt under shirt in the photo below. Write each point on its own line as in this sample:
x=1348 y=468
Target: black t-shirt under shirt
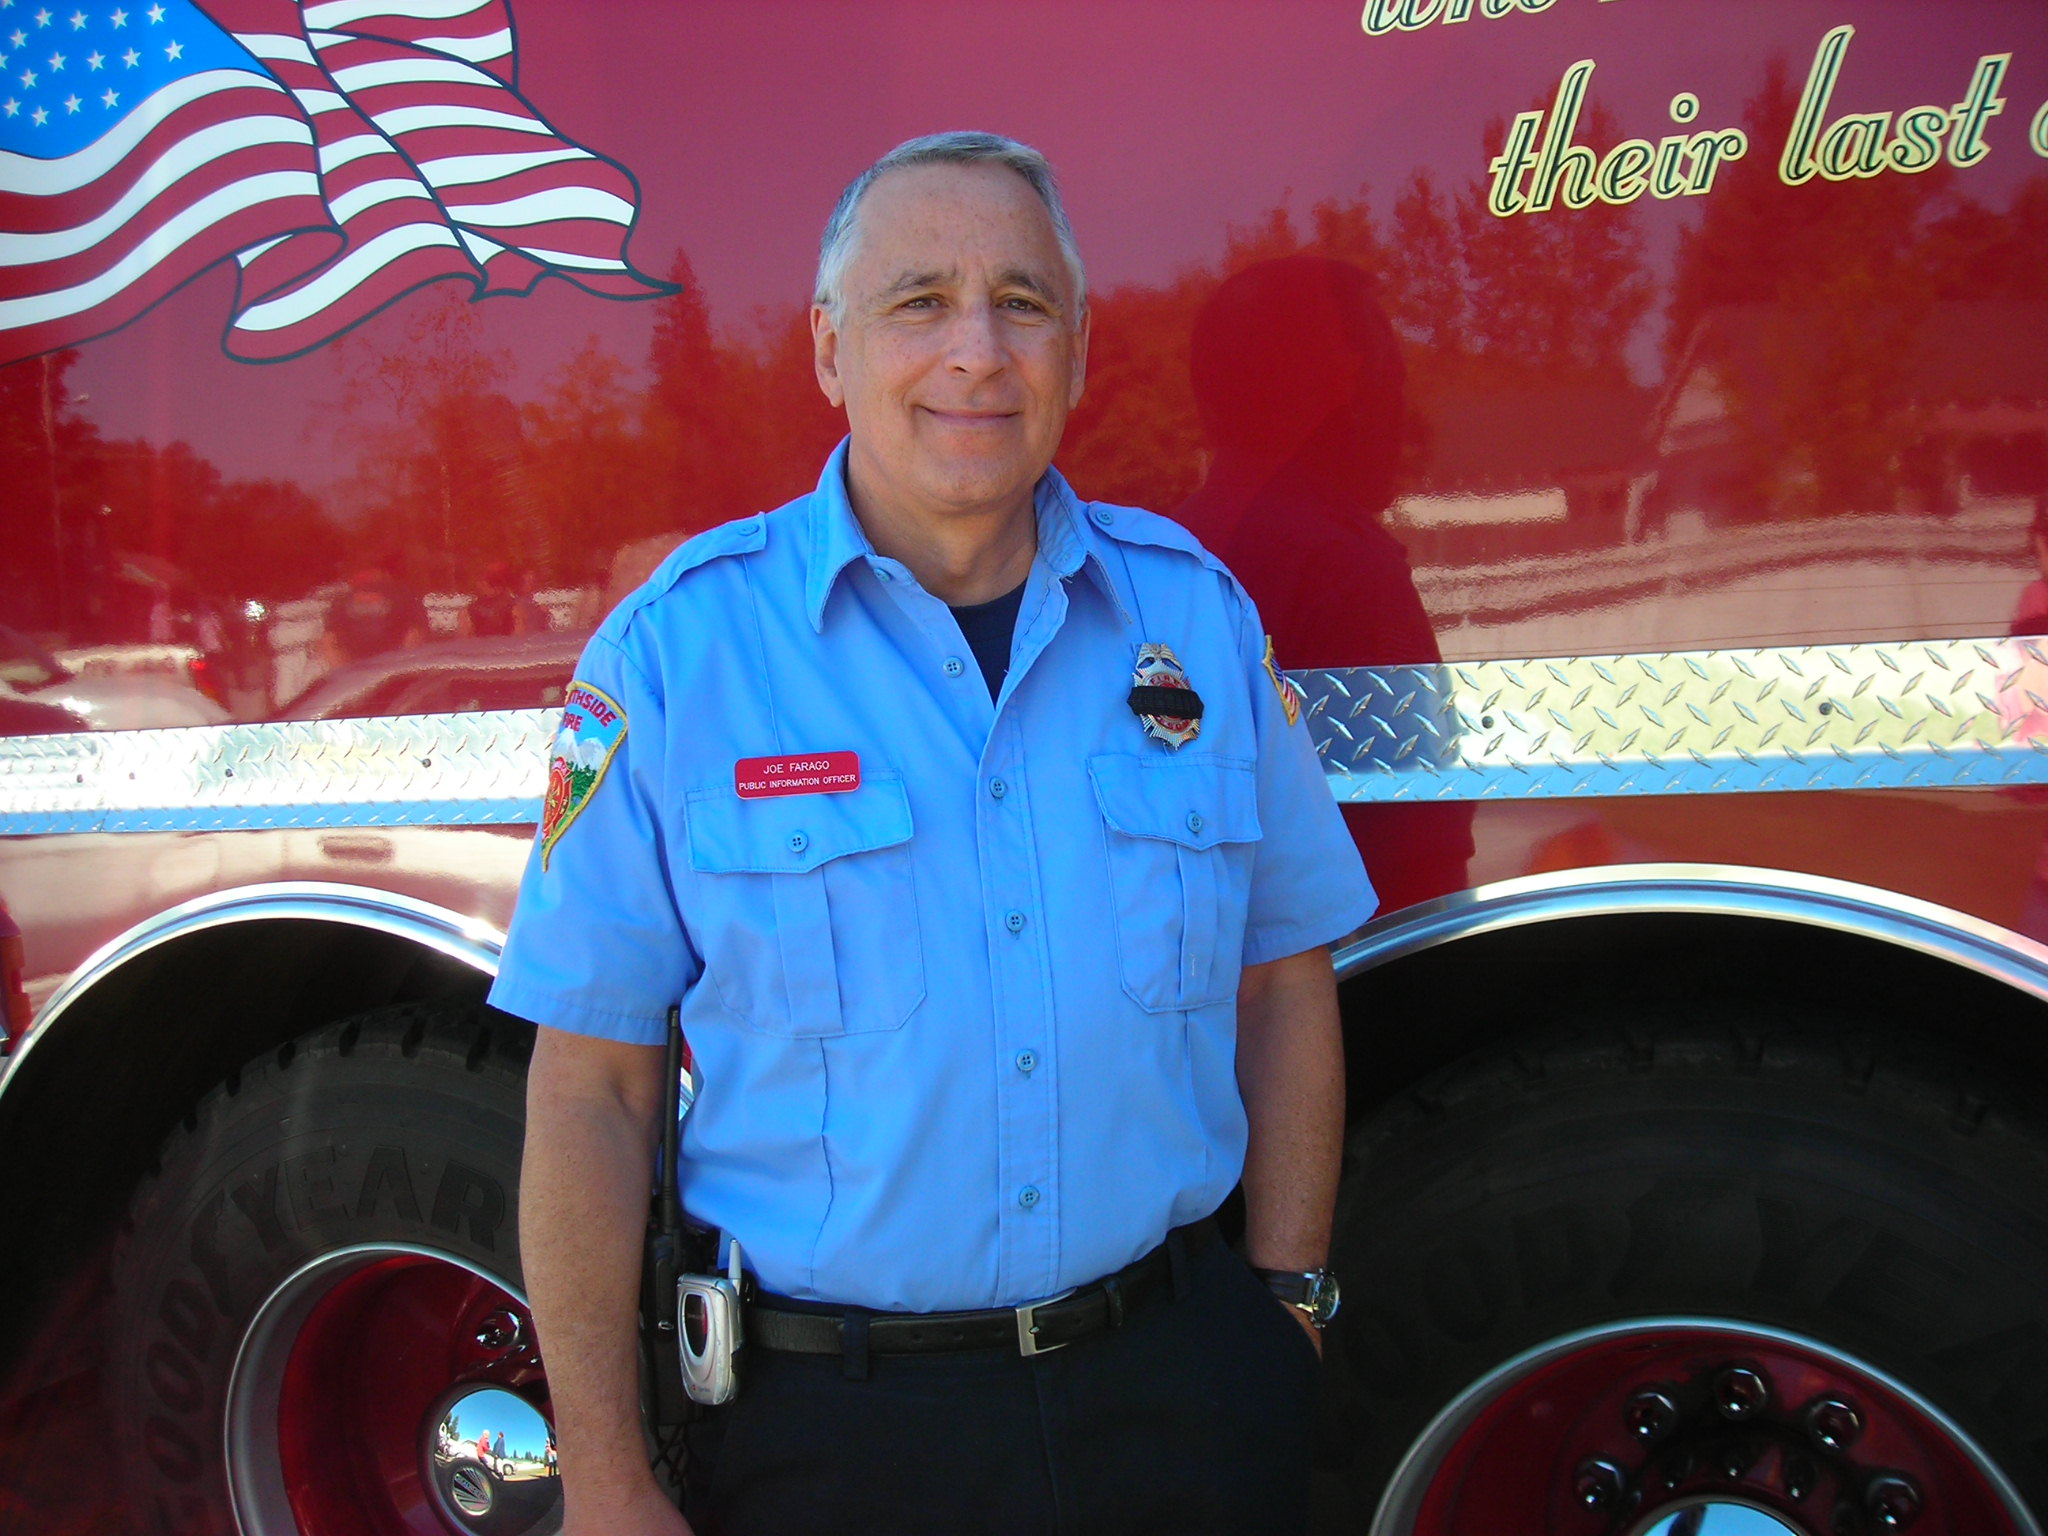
x=989 y=628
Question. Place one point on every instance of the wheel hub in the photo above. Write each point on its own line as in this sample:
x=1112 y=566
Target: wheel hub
x=487 y=1460
x=345 y=1382
x=1718 y=1517
x=1688 y=1427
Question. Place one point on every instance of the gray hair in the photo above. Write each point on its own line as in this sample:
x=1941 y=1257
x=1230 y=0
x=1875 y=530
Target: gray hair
x=835 y=250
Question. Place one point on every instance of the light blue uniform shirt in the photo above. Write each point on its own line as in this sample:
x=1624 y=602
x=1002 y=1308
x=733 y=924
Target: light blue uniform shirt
x=964 y=1035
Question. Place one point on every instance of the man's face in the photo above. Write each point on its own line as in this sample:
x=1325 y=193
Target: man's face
x=959 y=347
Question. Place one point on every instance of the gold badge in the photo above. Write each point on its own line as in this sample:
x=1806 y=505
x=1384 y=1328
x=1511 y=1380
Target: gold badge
x=1168 y=709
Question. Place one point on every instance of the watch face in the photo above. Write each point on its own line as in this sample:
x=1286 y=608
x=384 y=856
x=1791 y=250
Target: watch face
x=1323 y=1297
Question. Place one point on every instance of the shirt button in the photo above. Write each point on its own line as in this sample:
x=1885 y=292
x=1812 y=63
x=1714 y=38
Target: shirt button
x=1028 y=1196
x=955 y=666
x=1104 y=516
x=1027 y=1061
x=997 y=788
x=1194 y=821
x=1014 y=922
x=798 y=842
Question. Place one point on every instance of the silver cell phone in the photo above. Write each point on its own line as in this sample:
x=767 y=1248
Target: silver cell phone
x=710 y=1333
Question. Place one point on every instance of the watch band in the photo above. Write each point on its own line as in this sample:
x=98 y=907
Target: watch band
x=1313 y=1292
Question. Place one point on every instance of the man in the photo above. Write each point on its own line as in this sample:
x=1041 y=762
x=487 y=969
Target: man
x=1001 y=957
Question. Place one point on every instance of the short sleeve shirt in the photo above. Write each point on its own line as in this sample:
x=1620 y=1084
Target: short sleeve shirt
x=964 y=1027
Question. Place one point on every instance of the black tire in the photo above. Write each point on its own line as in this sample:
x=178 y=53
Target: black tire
x=398 y=1129
x=1864 y=1192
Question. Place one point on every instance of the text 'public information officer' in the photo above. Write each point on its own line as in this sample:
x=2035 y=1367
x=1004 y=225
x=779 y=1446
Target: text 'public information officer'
x=988 y=855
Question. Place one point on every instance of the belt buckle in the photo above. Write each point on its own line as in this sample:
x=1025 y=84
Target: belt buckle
x=1027 y=1324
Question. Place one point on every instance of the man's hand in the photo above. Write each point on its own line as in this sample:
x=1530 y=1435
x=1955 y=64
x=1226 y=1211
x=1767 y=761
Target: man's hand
x=593 y=1111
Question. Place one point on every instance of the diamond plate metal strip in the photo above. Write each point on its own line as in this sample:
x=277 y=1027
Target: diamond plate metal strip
x=414 y=770
x=1937 y=714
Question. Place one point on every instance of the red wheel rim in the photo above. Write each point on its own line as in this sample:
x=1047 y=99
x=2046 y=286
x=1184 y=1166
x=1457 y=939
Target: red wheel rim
x=339 y=1380
x=1614 y=1431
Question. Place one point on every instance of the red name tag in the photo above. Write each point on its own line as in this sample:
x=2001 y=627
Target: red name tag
x=800 y=773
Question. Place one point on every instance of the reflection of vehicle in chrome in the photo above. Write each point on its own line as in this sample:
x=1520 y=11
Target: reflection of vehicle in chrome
x=508 y=672
x=112 y=688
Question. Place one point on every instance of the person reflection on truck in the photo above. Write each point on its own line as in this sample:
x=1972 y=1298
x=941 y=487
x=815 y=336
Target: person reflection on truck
x=498 y=608
x=379 y=612
x=1302 y=392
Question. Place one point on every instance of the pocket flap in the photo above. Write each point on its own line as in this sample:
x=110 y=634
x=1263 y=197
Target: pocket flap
x=1197 y=802
x=790 y=834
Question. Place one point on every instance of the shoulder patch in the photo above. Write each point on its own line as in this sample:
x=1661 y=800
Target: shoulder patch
x=1285 y=686
x=593 y=726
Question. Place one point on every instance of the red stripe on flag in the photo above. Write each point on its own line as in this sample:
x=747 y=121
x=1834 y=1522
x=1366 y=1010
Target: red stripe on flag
x=39 y=312
x=29 y=213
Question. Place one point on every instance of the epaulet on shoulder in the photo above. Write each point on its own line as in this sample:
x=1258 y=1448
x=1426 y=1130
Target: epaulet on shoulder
x=1134 y=525
x=742 y=536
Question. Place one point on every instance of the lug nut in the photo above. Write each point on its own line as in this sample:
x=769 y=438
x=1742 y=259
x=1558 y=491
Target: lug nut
x=1735 y=1461
x=1893 y=1501
x=1800 y=1476
x=498 y=1331
x=1833 y=1424
x=1650 y=1416
x=1741 y=1393
x=1599 y=1484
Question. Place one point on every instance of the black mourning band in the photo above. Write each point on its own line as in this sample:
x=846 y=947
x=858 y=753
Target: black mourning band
x=1171 y=703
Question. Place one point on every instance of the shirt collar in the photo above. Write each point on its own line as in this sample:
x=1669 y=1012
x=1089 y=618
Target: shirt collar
x=1070 y=541
x=1067 y=540
x=837 y=539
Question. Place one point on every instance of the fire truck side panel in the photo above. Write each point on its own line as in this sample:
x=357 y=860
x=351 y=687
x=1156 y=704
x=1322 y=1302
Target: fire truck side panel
x=1630 y=417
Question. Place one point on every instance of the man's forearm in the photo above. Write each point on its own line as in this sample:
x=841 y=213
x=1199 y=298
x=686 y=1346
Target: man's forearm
x=1290 y=1070
x=582 y=1217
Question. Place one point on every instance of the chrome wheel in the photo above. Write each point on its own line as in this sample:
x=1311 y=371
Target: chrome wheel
x=388 y=1390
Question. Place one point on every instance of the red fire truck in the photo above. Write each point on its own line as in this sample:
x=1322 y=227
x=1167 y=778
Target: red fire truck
x=1631 y=417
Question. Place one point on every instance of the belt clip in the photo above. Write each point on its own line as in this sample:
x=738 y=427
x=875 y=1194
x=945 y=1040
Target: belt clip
x=1027 y=1325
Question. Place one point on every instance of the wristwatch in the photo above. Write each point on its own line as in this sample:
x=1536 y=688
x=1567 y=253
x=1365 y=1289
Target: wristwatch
x=1312 y=1292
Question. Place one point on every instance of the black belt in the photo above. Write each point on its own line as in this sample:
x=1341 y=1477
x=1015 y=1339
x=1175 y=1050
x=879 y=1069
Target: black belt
x=774 y=1323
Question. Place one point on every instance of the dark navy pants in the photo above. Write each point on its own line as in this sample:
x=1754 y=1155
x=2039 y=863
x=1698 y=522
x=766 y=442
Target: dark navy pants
x=1192 y=1418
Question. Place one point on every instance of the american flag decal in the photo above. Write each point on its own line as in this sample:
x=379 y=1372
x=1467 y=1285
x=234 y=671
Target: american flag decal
x=342 y=152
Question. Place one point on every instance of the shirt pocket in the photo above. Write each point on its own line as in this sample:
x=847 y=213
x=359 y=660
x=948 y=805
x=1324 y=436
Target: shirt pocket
x=1181 y=835
x=807 y=918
